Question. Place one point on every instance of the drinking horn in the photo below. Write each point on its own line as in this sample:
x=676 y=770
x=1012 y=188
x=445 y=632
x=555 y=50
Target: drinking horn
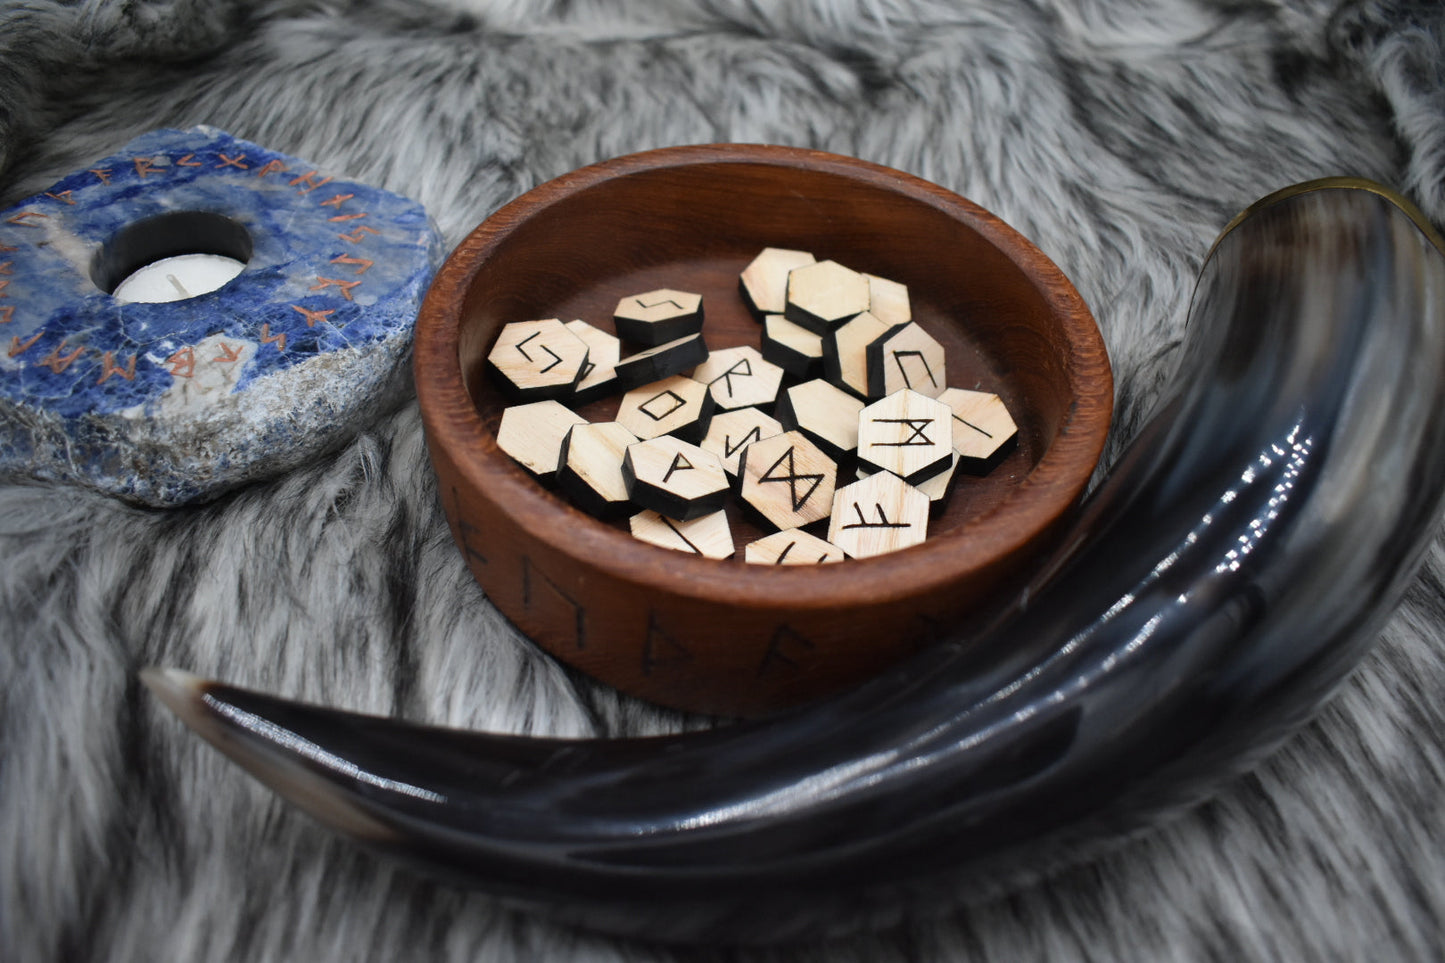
x=1234 y=565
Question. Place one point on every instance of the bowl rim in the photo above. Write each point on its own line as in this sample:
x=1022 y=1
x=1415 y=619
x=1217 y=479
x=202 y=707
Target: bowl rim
x=1046 y=493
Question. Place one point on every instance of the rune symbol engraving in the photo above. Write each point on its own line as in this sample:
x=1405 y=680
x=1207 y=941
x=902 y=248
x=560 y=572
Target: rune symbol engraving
x=556 y=358
x=882 y=522
x=898 y=357
x=792 y=478
x=679 y=463
x=916 y=425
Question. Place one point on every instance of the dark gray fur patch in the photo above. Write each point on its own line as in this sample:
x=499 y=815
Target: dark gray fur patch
x=1120 y=135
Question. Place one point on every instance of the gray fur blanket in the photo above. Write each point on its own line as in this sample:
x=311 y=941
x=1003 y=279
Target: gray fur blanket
x=1119 y=135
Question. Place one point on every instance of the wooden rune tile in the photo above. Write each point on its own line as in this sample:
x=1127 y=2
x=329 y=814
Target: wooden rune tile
x=792 y=347
x=708 y=536
x=678 y=405
x=845 y=353
x=532 y=434
x=828 y=416
x=787 y=480
x=732 y=431
x=657 y=317
x=906 y=357
x=879 y=514
x=982 y=426
x=888 y=301
x=599 y=374
x=908 y=434
x=936 y=488
x=590 y=469
x=740 y=378
x=764 y=282
x=660 y=362
x=792 y=546
x=674 y=478
x=824 y=295
x=536 y=360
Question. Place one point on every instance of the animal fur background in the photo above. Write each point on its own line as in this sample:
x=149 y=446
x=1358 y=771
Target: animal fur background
x=1120 y=135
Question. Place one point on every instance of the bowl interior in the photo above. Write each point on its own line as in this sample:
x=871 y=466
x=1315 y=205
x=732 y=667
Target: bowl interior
x=1005 y=317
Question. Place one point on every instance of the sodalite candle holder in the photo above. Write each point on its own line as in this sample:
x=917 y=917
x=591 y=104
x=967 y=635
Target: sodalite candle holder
x=167 y=403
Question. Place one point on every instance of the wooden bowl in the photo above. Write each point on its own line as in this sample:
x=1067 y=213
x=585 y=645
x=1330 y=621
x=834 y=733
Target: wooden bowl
x=726 y=637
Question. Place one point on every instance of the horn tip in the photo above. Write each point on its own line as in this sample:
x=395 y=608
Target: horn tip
x=177 y=689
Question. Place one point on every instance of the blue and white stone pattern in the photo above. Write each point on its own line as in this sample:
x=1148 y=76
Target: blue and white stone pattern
x=167 y=403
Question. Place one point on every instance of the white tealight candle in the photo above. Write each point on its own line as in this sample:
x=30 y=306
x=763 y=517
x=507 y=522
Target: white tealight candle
x=177 y=278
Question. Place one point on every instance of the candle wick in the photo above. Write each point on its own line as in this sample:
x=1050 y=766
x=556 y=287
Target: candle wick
x=172 y=278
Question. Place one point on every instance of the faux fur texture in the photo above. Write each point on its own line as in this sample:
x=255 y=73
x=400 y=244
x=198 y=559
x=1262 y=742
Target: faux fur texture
x=1120 y=135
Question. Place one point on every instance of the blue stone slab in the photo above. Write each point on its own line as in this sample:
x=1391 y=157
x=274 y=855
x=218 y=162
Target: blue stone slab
x=163 y=404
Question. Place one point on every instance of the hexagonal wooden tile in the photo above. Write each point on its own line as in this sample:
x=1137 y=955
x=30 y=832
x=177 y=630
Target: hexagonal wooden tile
x=673 y=406
x=787 y=480
x=708 y=536
x=660 y=362
x=982 y=425
x=792 y=347
x=740 y=378
x=657 y=317
x=792 y=546
x=537 y=360
x=879 y=514
x=674 y=478
x=590 y=469
x=936 y=488
x=828 y=416
x=908 y=434
x=824 y=295
x=599 y=374
x=845 y=353
x=906 y=357
x=732 y=431
x=532 y=434
x=888 y=301
x=764 y=282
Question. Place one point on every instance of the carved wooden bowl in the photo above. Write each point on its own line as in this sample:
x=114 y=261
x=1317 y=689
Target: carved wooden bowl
x=727 y=637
